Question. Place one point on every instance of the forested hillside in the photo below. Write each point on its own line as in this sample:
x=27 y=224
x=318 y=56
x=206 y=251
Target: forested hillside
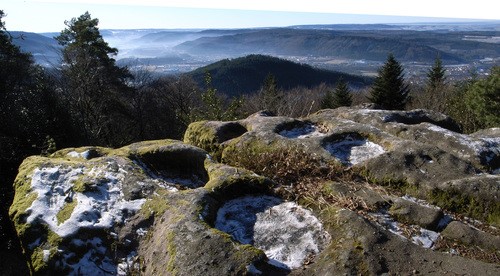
x=246 y=74
x=371 y=45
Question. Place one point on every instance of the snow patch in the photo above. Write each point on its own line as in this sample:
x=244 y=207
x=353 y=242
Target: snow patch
x=302 y=132
x=93 y=262
x=419 y=202
x=102 y=207
x=46 y=255
x=488 y=148
x=426 y=239
x=252 y=270
x=75 y=154
x=128 y=264
x=423 y=237
x=352 y=151
x=286 y=232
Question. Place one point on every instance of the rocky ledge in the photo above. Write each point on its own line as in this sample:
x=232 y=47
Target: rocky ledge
x=367 y=191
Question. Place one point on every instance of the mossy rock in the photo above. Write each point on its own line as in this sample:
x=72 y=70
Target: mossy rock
x=210 y=135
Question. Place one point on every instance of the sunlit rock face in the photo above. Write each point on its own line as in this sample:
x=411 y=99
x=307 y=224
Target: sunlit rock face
x=288 y=233
x=179 y=208
x=420 y=147
x=79 y=211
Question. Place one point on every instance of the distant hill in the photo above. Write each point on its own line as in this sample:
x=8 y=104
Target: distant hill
x=372 y=45
x=246 y=74
x=44 y=49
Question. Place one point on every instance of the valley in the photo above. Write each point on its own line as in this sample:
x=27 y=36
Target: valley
x=350 y=48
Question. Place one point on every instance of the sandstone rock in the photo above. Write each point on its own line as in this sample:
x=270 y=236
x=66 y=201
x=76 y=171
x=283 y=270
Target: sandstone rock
x=168 y=208
x=465 y=234
x=413 y=213
x=73 y=211
x=153 y=207
x=360 y=247
x=417 y=152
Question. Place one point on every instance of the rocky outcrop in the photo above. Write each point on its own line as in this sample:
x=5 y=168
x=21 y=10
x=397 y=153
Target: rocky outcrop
x=418 y=173
x=417 y=152
x=156 y=207
x=182 y=208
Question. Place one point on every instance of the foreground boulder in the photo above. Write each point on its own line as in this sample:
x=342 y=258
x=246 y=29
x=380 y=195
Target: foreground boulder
x=417 y=152
x=155 y=208
x=169 y=208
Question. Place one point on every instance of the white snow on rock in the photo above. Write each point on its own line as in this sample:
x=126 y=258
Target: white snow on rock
x=302 y=132
x=102 y=207
x=352 y=151
x=285 y=231
x=92 y=262
x=425 y=238
x=75 y=154
x=489 y=147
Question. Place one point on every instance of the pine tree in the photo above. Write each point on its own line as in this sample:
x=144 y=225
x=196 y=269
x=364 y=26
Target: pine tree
x=94 y=87
x=342 y=94
x=327 y=101
x=214 y=107
x=389 y=89
x=269 y=94
x=436 y=75
x=436 y=92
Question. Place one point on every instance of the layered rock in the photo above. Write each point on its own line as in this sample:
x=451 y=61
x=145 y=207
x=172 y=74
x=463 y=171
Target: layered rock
x=420 y=172
x=153 y=208
x=170 y=208
x=418 y=152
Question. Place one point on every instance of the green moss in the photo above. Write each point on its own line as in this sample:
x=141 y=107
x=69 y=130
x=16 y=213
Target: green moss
x=155 y=206
x=141 y=148
x=94 y=152
x=83 y=184
x=38 y=263
x=172 y=252
x=65 y=212
x=456 y=201
x=202 y=135
x=24 y=196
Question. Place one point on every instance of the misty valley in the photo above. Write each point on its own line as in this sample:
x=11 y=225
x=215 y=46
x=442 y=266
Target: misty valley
x=350 y=48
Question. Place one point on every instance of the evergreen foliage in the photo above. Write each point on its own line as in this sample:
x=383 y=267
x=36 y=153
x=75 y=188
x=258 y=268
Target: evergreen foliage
x=436 y=90
x=327 y=101
x=93 y=86
x=483 y=99
x=436 y=75
x=245 y=75
x=269 y=94
x=28 y=121
x=342 y=94
x=213 y=105
x=476 y=103
x=389 y=89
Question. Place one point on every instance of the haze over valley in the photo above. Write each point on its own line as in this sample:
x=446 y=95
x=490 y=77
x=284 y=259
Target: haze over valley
x=358 y=49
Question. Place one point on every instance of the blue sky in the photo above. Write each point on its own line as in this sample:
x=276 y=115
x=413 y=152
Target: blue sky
x=49 y=15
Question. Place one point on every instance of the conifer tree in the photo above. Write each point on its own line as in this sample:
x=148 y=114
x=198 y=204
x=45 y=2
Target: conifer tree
x=327 y=101
x=342 y=94
x=436 y=75
x=94 y=87
x=214 y=107
x=436 y=92
x=269 y=94
x=389 y=89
